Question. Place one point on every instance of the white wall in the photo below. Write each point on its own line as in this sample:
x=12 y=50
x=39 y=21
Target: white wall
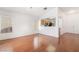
x=51 y=31
x=22 y=25
x=70 y=22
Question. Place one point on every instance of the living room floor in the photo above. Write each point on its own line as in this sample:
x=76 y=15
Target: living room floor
x=26 y=43
x=68 y=42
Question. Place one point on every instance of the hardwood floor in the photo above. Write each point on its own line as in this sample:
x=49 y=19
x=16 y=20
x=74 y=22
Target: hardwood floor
x=45 y=41
x=25 y=43
x=68 y=43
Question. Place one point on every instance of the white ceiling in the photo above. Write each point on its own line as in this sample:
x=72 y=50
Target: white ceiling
x=36 y=11
x=70 y=9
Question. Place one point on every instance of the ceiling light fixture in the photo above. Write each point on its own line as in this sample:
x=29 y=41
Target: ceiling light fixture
x=45 y=8
x=31 y=7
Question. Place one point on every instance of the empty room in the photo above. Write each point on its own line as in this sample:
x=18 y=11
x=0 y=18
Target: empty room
x=39 y=29
x=28 y=29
